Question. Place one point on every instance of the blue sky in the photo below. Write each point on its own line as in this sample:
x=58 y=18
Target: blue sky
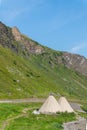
x=58 y=24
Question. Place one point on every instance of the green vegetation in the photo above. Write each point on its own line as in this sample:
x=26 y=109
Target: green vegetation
x=84 y=115
x=9 y=110
x=84 y=107
x=20 y=116
x=38 y=76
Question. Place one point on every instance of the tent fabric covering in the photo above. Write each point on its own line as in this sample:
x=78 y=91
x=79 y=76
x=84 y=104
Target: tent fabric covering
x=51 y=105
x=65 y=106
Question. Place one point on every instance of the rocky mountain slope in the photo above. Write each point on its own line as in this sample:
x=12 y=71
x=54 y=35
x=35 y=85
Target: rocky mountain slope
x=12 y=38
x=30 y=69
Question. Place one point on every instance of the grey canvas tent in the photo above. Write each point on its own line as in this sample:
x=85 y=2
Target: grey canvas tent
x=50 y=106
x=64 y=105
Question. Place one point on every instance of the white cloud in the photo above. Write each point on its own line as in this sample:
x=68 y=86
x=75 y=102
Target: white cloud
x=78 y=48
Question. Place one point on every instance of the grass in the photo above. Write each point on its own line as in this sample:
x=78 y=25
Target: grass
x=9 y=110
x=38 y=76
x=24 y=75
x=84 y=115
x=84 y=108
x=29 y=120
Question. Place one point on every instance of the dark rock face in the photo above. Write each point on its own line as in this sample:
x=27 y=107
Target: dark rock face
x=76 y=62
x=13 y=39
x=6 y=37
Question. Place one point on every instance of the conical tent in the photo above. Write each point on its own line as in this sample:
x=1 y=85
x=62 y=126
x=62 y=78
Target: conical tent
x=65 y=106
x=50 y=106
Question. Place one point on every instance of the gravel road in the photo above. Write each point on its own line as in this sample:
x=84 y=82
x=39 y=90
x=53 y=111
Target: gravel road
x=76 y=125
x=23 y=100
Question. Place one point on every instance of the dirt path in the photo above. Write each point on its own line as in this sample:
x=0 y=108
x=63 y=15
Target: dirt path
x=7 y=122
x=75 y=106
x=23 y=100
x=76 y=125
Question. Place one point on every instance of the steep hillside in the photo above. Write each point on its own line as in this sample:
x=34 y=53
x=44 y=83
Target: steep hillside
x=28 y=69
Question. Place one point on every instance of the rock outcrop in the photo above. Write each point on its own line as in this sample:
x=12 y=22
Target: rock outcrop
x=76 y=62
x=30 y=45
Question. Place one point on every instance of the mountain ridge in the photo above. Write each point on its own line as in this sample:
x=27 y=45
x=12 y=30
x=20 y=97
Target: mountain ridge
x=30 y=69
x=71 y=60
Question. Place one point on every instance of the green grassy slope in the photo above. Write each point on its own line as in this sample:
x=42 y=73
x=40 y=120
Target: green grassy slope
x=20 y=116
x=36 y=75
